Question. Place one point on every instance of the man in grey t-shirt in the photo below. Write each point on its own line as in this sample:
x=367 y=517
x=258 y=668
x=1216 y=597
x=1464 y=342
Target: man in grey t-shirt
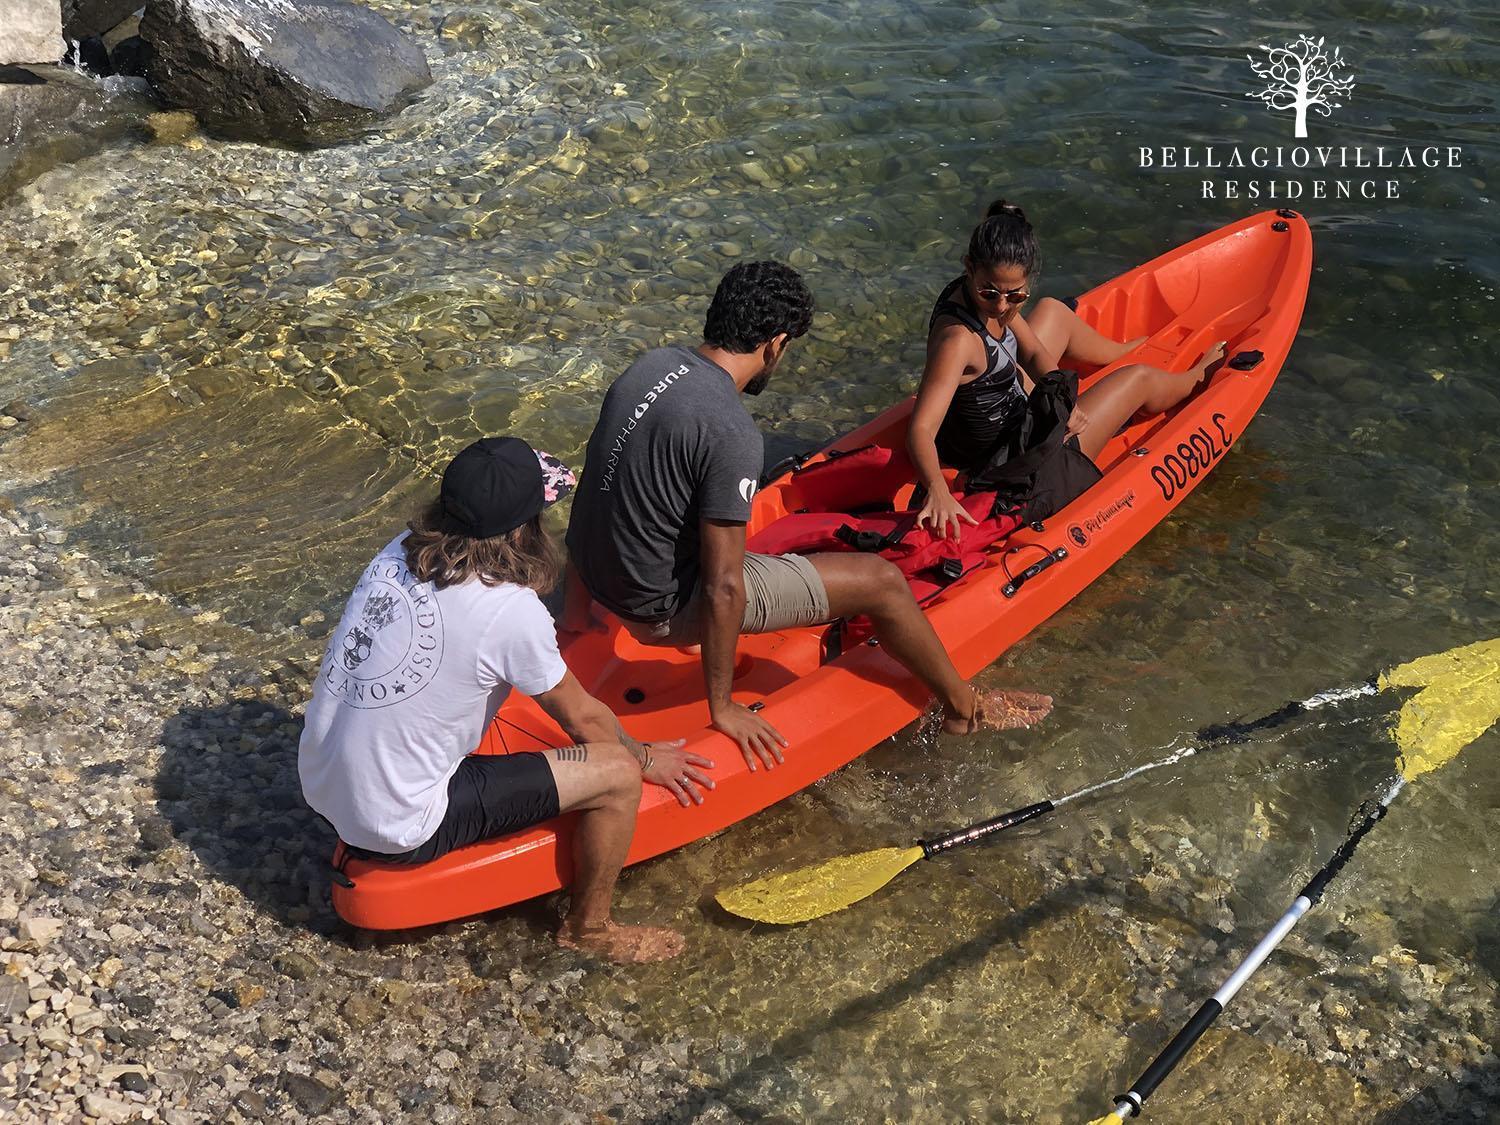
x=674 y=446
x=657 y=533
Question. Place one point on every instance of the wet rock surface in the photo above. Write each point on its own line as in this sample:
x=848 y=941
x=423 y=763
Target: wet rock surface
x=307 y=72
x=83 y=18
x=52 y=114
x=167 y=951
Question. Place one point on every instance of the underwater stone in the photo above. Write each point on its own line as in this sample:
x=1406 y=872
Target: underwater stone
x=309 y=72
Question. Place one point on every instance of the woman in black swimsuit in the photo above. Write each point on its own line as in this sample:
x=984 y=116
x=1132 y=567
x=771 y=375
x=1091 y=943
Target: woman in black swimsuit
x=981 y=355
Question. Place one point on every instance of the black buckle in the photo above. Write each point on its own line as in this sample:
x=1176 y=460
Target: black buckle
x=860 y=540
x=950 y=570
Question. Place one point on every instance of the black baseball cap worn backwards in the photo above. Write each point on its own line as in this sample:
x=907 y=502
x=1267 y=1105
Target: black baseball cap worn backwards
x=499 y=483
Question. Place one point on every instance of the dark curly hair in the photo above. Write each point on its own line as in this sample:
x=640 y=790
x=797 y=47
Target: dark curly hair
x=756 y=302
x=1005 y=238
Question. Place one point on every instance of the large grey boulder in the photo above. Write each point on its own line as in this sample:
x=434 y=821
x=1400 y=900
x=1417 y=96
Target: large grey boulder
x=30 y=31
x=304 y=71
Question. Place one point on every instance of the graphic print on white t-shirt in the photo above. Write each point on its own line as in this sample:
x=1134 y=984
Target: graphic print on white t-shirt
x=391 y=641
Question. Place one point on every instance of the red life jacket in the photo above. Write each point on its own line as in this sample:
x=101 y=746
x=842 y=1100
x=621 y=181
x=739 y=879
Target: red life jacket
x=846 y=504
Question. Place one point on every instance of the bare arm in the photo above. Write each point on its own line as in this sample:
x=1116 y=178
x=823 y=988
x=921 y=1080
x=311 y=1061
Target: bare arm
x=586 y=719
x=1035 y=358
x=722 y=589
x=950 y=357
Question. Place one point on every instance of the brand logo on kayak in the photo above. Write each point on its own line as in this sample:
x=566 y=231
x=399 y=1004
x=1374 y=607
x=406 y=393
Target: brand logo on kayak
x=388 y=648
x=1080 y=533
x=1192 y=457
x=1300 y=76
x=1307 y=80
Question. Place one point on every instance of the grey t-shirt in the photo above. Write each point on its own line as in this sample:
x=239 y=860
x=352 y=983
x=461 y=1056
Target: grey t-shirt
x=674 y=445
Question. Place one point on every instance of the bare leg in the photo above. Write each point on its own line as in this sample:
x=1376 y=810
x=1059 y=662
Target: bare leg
x=869 y=586
x=602 y=781
x=1066 y=335
x=1134 y=389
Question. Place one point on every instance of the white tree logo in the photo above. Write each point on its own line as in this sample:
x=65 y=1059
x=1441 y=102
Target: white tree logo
x=1301 y=76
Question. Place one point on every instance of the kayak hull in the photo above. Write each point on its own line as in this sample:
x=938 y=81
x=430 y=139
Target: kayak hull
x=1245 y=283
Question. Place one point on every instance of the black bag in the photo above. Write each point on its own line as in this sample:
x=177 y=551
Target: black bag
x=1040 y=473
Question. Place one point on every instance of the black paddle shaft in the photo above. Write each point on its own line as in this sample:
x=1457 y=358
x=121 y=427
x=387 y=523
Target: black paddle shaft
x=984 y=828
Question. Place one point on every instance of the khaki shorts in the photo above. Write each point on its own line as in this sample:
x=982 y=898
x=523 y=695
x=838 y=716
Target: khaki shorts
x=781 y=592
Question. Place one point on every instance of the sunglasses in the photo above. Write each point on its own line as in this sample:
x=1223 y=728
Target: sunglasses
x=1012 y=297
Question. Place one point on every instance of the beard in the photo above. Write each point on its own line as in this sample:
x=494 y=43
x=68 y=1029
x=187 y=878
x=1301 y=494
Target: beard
x=761 y=381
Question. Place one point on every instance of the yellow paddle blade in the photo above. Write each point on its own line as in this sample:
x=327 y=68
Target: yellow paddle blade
x=1459 y=701
x=1107 y=1119
x=822 y=888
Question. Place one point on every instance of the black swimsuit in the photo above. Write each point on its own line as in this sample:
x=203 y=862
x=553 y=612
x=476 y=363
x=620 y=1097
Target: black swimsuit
x=986 y=412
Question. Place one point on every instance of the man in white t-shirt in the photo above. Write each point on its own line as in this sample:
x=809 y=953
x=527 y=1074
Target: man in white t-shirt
x=444 y=622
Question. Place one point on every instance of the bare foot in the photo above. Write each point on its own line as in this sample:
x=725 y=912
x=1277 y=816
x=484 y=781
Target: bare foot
x=1210 y=362
x=1130 y=345
x=624 y=945
x=1000 y=710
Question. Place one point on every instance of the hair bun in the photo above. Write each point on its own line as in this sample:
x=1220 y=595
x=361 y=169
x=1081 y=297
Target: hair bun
x=1004 y=207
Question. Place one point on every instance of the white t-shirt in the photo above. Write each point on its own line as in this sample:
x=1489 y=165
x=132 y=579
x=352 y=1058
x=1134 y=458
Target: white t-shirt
x=411 y=678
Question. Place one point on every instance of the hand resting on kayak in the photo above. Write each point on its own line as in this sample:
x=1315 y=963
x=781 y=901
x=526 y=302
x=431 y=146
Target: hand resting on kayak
x=722 y=544
x=662 y=763
x=668 y=765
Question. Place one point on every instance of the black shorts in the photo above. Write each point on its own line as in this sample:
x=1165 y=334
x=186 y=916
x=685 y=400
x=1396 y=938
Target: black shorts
x=490 y=795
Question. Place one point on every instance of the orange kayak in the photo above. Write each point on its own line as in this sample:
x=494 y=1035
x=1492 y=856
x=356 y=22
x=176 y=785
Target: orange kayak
x=1245 y=283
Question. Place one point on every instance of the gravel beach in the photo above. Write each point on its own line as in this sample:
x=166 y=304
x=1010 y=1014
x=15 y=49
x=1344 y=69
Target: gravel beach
x=167 y=951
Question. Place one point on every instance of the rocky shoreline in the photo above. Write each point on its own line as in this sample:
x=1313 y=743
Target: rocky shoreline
x=167 y=952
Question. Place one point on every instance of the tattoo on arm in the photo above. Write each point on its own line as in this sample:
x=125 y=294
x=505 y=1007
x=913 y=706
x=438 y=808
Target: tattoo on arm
x=572 y=753
x=635 y=746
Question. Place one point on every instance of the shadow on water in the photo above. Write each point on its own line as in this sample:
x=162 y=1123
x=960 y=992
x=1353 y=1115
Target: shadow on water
x=1487 y=940
x=738 y=1090
x=1471 y=1093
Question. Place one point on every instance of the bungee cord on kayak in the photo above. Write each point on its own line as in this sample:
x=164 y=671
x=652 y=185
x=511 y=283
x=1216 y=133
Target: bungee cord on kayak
x=1458 y=700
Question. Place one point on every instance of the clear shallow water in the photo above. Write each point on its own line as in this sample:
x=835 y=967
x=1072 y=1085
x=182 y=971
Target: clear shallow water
x=249 y=361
